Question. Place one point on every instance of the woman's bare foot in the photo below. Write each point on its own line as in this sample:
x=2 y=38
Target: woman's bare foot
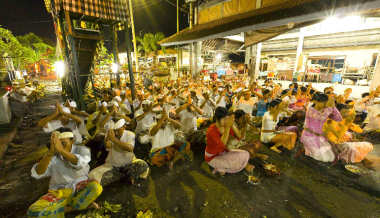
x=275 y=149
x=94 y=205
x=215 y=172
x=171 y=165
x=68 y=209
x=299 y=153
x=249 y=168
x=262 y=156
x=367 y=163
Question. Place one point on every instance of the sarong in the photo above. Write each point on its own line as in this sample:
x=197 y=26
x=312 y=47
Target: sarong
x=232 y=161
x=164 y=155
x=354 y=152
x=107 y=174
x=54 y=202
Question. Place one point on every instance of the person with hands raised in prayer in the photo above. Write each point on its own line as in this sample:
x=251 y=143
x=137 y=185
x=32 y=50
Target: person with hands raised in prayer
x=166 y=147
x=121 y=159
x=188 y=113
x=66 y=163
x=62 y=117
x=217 y=155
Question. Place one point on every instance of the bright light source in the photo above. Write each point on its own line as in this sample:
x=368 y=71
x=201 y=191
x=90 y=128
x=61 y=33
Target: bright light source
x=200 y=61
x=335 y=24
x=114 y=68
x=218 y=57
x=59 y=67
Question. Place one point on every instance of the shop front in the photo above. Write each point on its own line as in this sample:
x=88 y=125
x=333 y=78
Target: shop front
x=344 y=55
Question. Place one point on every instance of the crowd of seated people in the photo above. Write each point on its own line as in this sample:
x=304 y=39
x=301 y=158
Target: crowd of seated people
x=121 y=136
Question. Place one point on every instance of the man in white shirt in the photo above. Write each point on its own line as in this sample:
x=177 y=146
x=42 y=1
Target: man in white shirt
x=67 y=166
x=166 y=148
x=145 y=121
x=120 y=144
x=188 y=116
x=246 y=102
x=220 y=98
x=208 y=105
x=95 y=118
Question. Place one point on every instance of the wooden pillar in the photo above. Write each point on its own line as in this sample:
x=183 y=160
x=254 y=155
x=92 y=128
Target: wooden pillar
x=196 y=65
x=252 y=61
x=128 y=42
x=191 y=58
x=115 y=53
x=76 y=73
x=376 y=75
x=258 y=60
x=297 y=66
x=191 y=19
x=258 y=4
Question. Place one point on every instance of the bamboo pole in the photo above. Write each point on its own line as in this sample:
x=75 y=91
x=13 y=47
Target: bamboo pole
x=133 y=35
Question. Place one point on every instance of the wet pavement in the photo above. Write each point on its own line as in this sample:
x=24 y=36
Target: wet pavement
x=305 y=188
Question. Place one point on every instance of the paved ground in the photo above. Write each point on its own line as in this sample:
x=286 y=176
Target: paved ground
x=305 y=188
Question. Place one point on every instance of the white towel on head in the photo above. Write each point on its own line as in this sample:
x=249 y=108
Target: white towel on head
x=109 y=125
x=66 y=110
x=65 y=135
x=146 y=102
x=114 y=103
x=73 y=104
x=117 y=98
x=119 y=124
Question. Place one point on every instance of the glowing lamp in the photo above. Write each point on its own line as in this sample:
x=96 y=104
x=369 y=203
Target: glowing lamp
x=59 y=67
x=114 y=68
x=218 y=57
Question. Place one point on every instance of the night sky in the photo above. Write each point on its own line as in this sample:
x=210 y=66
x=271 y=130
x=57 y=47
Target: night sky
x=24 y=16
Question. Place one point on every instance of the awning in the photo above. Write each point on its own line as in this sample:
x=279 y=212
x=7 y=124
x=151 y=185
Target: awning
x=293 y=12
x=257 y=36
x=116 y=10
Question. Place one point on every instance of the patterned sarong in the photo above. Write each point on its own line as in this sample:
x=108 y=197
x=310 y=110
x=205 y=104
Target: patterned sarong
x=54 y=202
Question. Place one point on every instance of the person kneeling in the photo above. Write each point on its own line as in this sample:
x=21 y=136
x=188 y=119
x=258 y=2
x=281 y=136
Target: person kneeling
x=165 y=147
x=67 y=166
x=217 y=155
x=269 y=134
x=120 y=159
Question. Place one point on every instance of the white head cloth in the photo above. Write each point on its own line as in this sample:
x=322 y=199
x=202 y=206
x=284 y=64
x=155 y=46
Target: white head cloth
x=73 y=104
x=117 y=98
x=66 y=110
x=119 y=124
x=146 y=102
x=114 y=103
x=109 y=125
x=66 y=135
